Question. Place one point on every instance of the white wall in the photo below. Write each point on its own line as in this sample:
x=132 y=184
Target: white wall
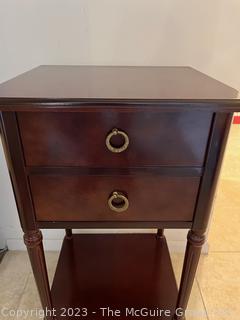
x=203 y=34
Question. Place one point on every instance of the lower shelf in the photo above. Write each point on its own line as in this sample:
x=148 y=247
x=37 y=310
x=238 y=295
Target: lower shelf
x=131 y=273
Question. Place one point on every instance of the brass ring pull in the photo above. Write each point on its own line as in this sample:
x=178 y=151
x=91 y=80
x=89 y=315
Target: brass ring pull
x=118 y=202
x=113 y=149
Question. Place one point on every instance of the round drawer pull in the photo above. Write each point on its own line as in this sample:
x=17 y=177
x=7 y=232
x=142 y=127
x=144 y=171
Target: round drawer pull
x=118 y=202
x=113 y=133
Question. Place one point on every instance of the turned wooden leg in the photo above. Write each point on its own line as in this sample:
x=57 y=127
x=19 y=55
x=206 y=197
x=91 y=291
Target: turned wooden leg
x=33 y=241
x=192 y=255
x=68 y=233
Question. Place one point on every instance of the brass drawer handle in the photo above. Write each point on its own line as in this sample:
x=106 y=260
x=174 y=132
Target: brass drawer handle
x=118 y=202
x=113 y=149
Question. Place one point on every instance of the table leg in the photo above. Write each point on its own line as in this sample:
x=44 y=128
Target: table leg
x=33 y=242
x=68 y=233
x=160 y=232
x=194 y=245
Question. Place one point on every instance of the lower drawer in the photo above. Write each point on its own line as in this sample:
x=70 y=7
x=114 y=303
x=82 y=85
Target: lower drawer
x=113 y=198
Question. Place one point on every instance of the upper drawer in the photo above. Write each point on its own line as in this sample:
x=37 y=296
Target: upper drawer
x=79 y=139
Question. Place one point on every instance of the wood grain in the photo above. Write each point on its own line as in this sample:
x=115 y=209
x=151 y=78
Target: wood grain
x=177 y=120
x=15 y=161
x=85 y=198
x=123 y=82
x=78 y=139
x=118 y=271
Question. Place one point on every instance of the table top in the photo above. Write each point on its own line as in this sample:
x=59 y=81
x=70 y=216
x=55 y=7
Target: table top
x=110 y=82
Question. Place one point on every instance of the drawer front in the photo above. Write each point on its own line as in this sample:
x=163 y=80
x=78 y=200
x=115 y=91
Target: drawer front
x=87 y=198
x=79 y=139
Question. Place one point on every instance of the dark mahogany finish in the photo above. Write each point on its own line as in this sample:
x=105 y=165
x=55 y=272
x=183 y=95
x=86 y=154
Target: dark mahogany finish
x=114 y=84
x=15 y=160
x=192 y=255
x=33 y=242
x=118 y=271
x=196 y=236
x=85 y=198
x=54 y=122
x=70 y=139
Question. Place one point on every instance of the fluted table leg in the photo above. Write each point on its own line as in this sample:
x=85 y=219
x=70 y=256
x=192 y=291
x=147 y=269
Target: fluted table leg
x=33 y=242
x=192 y=255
